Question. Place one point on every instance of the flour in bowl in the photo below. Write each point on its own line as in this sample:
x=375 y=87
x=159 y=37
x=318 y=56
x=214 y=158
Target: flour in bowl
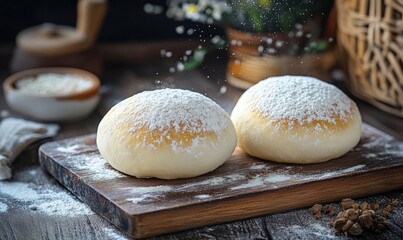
x=53 y=85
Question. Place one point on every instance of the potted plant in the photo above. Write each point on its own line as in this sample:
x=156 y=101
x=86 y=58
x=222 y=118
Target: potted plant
x=267 y=37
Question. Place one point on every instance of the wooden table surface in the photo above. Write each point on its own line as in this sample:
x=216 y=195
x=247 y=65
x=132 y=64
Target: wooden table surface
x=21 y=221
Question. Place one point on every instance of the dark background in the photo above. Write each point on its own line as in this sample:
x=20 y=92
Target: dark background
x=125 y=20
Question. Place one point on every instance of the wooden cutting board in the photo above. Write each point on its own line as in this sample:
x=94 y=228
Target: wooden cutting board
x=243 y=187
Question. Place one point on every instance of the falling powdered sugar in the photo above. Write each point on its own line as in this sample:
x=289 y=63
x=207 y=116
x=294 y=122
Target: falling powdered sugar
x=299 y=99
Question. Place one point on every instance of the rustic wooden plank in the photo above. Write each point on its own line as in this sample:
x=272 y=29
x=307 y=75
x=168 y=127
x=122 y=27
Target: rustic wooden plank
x=243 y=187
x=297 y=224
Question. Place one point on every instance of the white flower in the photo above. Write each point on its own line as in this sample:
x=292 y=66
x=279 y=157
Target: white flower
x=192 y=11
x=217 y=13
x=205 y=11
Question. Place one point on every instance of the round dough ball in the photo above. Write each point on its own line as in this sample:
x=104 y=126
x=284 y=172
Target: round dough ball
x=296 y=119
x=168 y=134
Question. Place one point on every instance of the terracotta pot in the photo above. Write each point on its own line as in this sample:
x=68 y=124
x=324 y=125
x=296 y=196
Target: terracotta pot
x=247 y=66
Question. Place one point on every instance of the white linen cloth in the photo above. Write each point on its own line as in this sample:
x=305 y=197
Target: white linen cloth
x=15 y=135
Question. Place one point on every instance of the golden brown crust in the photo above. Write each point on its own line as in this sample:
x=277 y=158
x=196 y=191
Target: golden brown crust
x=338 y=124
x=181 y=138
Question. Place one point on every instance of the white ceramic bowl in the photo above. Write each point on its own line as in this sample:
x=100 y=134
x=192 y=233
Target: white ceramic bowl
x=52 y=108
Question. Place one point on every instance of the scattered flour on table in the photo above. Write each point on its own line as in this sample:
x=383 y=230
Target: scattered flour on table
x=142 y=194
x=151 y=189
x=147 y=194
x=141 y=198
x=372 y=132
x=19 y=191
x=324 y=175
x=317 y=230
x=352 y=169
x=68 y=149
x=3 y=207
x=96 y=167
x=259 y=167
x=202 y=196
x=4 y=113
x=114 y=234
x=94 y=164
x=380 y=140
x=285 y=175
x=275 y=178
x=259 y=181
x=33 y=172
x=383 y=150
x=335 y=173
x=215 y=181
x=256 y=182
x=44 y=199
x=376 y=144
x=379 y=145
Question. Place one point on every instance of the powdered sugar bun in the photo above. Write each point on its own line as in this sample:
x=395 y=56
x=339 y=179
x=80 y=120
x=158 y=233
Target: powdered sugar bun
x=296 y=119
x=168 y=133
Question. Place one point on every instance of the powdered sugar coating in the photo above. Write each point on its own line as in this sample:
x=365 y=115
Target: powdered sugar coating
x=299 y=99
x=166 y=114
x=172 y=107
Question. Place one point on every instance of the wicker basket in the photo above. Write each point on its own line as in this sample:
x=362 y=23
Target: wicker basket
x=370 y=38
